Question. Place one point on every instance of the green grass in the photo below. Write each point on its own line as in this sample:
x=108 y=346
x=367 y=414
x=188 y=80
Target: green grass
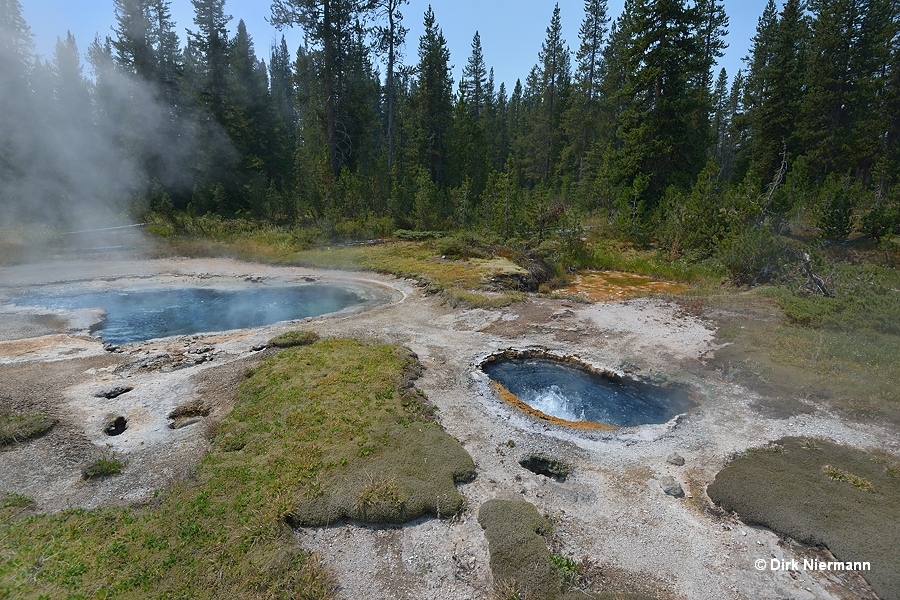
x=841 y=353
x=821 y=493
x=866 y=298
x=17 y=428
x=619 y=256
x=14 y=500
x=312 y=422
x=106 y=465
x=459 y=279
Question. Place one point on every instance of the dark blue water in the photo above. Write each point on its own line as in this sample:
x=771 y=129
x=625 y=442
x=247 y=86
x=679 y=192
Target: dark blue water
x=573 y=393
x=139 y=315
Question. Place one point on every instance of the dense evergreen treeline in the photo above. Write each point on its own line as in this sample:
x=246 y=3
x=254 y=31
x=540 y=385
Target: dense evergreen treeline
x=635 y=125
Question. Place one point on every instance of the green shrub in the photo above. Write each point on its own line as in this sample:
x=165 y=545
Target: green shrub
x=417 y=236
x=863 y=300
x=837 y=200
x=750 y=256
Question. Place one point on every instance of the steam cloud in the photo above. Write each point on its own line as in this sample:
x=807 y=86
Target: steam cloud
x=76 y=153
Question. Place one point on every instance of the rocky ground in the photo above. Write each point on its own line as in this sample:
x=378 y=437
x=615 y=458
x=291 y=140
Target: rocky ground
x=612 y=512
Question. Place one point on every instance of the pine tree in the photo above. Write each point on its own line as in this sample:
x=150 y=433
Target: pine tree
x=70 y=87
x=432 y=99
x=329 y=24
x=547 y=96
x=890 y=111
x=209 y=49
x=281 y=85
x=16 y=109
x=389 y=39
x=658 y=142
x=169 y=67
x=16 y=44
x=251 y=121
x=775 y=90
x=16 y=50
x=841 y=105
x=581 y=121
x=712 y=28
x=133 y=42
x=473 y=144
x=474 y=79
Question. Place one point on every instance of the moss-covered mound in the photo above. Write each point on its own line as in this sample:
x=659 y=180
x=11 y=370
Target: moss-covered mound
x=369 y=445
x=411 y=472
x=820 y=493
x=520 y=559
x=297 y=337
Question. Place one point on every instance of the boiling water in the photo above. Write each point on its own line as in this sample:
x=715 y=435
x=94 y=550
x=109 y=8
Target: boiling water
x=573 y=393
x=147 y=314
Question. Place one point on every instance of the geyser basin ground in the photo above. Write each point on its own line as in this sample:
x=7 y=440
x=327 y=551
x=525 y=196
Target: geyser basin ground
x=611 y=508
x=568 y=391
x=137 y=315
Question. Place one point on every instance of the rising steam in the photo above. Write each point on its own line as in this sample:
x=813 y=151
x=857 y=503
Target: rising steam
x=75 y=152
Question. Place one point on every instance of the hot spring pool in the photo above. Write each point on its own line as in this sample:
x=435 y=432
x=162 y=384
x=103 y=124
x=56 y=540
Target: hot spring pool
x=137 y=315
x=570 y=392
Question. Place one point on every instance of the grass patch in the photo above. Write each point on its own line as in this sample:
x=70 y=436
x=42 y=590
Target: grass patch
x=17 y=428
x=303 y=419
x=462 y=280
x=621 y=256
x=842 y=475
x=850 y=371
x=798 y=487
x=14 y=500
x=866 y=298
x=297 y=337
x=105 y=466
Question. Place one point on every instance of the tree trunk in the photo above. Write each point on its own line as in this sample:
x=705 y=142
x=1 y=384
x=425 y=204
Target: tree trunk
x=330 y=117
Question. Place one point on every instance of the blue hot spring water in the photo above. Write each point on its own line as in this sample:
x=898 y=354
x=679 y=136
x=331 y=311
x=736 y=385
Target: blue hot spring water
x=139 y=315
x=574 y=393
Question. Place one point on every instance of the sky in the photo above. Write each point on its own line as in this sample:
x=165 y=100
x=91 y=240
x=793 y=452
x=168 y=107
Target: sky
x=511 y=30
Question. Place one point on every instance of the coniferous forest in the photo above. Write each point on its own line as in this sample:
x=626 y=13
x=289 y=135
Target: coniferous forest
x=361 y=132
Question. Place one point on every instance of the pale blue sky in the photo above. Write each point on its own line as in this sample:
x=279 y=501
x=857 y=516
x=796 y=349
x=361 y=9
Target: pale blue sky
x=511 y=30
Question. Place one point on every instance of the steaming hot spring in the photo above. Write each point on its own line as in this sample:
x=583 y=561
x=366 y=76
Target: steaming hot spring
x=133 y=315
x=566 y=391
